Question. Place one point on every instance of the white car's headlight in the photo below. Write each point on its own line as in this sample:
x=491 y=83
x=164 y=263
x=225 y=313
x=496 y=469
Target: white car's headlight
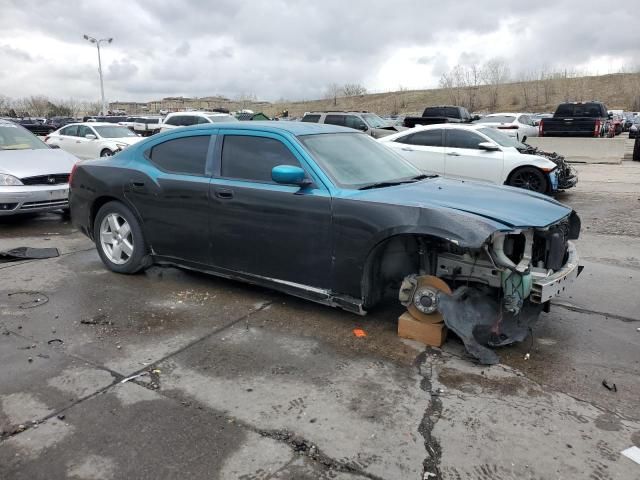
x=9 y=180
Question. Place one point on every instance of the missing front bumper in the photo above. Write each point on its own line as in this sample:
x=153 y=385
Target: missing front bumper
x=548 y=285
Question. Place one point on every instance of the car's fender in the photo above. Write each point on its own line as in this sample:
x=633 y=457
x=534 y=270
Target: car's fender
x=515 y=160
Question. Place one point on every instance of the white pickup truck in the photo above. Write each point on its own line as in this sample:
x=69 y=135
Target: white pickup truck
x=147 y=126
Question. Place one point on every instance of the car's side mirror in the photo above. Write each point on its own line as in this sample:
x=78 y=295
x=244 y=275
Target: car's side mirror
x=362 y=127
x=488 y=146
x=610 y=116
x=289 y=175
x=90 y=136
x=475 y=117
x=54 y=145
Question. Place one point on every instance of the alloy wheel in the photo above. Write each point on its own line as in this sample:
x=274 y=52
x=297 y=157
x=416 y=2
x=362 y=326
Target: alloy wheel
x=116 y=238
x=528 y=181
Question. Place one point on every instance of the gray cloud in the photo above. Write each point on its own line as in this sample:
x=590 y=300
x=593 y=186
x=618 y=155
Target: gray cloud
x=287 y=48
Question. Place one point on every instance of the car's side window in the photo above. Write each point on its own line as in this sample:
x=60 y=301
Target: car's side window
x=201 y=120
x=335 y=120
x=187 y=155
x=311 y=118
x=462 y=139
x=71 y=131
x=352 y=121
x=425 y=138
x=84 y=130
x=252 y=158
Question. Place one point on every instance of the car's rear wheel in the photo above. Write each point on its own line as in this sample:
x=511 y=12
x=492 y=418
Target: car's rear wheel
x=119 y=239
x=106 y=153
x=529 y=178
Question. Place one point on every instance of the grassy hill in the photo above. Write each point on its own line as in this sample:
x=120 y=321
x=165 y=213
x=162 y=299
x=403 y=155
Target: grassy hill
x=617 y=91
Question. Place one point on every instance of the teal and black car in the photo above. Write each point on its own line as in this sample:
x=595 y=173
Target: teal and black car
x=328 y=214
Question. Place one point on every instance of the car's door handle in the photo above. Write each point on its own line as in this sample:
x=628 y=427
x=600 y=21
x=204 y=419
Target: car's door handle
x=454 y=154
x=224 y=194
x=407 y=149
x=78 y=141
x=137 y=186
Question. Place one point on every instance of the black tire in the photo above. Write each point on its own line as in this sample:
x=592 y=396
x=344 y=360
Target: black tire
x=106 y=153
x=139 y=258
x=529 y=178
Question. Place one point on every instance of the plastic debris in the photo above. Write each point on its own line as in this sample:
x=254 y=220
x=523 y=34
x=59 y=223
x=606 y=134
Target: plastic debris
x=527 y=356
x=28 y=253
x=133 y=377
x=632 y=453
x=358 y=332
x=55 y=341
x=611 y=388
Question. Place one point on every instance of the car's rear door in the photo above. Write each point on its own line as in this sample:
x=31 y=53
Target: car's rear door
x=424 y=149
x=66 y=139
x=466 y=160
x=171 y=194
x=263 y=228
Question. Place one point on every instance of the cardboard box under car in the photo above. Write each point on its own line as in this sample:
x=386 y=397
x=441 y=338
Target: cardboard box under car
x=433 y=334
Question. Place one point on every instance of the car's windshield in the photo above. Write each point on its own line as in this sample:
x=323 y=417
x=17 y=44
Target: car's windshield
x=353 y=160
x=13 y=137
x=222 y=118
x=497 y=119
x=114 y=132
x=500 y=138
x=374 y=120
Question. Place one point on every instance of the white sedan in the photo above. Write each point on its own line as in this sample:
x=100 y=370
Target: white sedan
x=92 y=140
x=473 y=152
x=517 y=125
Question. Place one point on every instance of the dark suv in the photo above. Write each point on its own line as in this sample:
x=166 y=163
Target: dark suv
x=364 y=121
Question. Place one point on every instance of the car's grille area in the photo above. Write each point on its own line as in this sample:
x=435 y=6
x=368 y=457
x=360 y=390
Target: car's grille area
x=53 y=179
x=63 y=203
x=550 y=246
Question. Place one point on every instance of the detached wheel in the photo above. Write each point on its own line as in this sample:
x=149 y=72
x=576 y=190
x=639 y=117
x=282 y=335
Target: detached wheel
x=119 y=239
x=106 y=153
x=528 y=178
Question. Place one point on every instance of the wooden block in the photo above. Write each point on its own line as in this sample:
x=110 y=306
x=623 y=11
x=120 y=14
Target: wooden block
x=433 y=334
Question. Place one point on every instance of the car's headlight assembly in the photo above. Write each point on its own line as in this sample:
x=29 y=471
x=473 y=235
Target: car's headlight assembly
x=9 y=180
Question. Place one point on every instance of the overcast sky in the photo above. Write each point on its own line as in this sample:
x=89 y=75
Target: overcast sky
x=294 y=49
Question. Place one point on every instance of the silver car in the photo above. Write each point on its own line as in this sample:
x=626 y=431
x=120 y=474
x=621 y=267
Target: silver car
x=33 y=176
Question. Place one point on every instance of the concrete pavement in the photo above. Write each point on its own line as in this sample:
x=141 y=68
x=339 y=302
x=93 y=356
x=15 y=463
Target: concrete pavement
x=243 y=383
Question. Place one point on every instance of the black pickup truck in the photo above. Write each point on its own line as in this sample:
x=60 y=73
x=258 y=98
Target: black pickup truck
x=440 y=114
x=577 y=119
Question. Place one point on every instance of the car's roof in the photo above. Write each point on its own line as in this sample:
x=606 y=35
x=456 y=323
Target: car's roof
x=199 y=112
x=506 y=114
x=294 y=128
x=93 y=124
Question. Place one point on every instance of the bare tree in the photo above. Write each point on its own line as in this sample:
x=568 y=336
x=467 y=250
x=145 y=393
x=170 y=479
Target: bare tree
x=245 y=99
x=37 y=105
x=333 y=92
x=495 y=73
x=527 y=85
x=5 y=104
x=353 y=90
x=72 y=105
x=471 y=76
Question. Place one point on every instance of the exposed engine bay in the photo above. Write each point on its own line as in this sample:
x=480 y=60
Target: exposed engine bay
x=492 y=297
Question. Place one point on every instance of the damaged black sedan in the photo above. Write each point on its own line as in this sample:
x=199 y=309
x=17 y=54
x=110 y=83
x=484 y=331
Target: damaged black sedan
x=330 y=215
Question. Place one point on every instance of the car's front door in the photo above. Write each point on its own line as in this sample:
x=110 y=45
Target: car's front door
x=85 y=147
x=172 y=196
x=263 y=228
x=466 y=160
x=424 y=149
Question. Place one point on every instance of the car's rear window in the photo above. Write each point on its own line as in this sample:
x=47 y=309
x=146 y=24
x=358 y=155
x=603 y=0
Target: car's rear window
x=450 y=112
x=310 y=118
x=497 y=119
x=579 y=110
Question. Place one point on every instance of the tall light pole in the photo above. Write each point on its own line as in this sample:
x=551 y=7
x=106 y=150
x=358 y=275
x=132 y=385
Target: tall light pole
x=97 y=43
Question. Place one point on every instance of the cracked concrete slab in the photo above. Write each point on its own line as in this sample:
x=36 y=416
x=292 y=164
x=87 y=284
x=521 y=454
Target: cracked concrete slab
x=497 y=424
x=358 y=411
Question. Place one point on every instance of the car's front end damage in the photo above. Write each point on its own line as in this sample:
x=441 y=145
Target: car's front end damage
x=495 y=293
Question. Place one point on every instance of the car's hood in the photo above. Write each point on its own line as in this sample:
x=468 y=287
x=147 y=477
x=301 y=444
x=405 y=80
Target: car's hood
x=509 y=206
x=31 y=163
x=125 y=140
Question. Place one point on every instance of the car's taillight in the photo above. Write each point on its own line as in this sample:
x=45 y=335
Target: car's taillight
x=73 y=170
x=540 y=128
x=596 y=128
